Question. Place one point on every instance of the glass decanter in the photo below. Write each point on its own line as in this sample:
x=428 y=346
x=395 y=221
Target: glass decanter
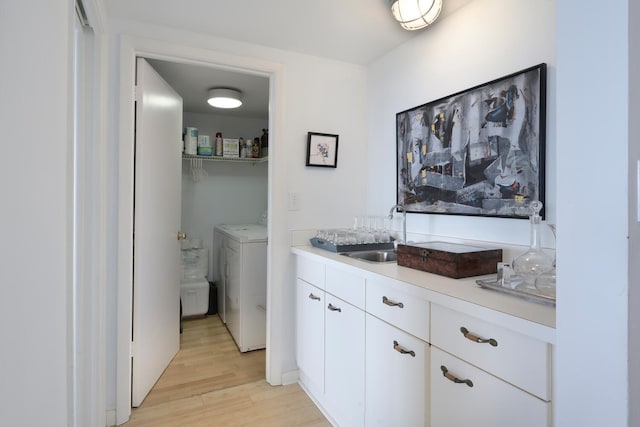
x=546 y=282
x=535 y=261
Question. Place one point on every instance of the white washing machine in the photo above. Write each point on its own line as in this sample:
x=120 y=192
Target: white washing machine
x=242 y=282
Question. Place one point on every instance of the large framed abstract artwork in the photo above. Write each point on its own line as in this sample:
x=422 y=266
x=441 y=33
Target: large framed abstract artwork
x=476 y=152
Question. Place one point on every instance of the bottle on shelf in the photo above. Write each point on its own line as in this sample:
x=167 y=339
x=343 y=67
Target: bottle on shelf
x=218 y=151
x=243 y=148
x=256 y=147
x=264 y=142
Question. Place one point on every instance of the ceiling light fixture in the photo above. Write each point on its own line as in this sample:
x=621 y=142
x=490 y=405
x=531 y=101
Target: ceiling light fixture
x=224 y=98
x=415 y=14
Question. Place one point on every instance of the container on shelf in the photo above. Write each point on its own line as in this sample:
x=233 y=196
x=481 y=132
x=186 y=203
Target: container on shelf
x=204 y=145
x=230 y=147
x=219 y=144
x=191 y=141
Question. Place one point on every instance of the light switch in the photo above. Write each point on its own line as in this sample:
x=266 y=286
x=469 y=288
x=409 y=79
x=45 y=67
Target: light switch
x=294 y=201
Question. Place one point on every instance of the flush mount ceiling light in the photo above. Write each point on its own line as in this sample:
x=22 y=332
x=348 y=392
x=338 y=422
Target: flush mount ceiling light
x=224 y=98
x=415 y=14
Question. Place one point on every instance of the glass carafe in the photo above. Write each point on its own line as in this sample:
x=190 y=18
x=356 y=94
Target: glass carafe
x=546 y=282
x=535 y=261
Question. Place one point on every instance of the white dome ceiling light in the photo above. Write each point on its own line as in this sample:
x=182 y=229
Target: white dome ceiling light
x=225 y=98
x=415 y=14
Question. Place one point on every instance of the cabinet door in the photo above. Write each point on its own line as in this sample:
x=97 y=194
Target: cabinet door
x=396 y=377
x=310 y=336
x=344 y=362
x=479 y=399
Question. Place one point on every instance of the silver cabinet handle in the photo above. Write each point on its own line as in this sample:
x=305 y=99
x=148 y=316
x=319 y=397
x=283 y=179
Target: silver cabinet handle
x=448 y=375
x=400 y=349
x=391 y=303
x=334 y=308
x=473 y=337
x=313 y=297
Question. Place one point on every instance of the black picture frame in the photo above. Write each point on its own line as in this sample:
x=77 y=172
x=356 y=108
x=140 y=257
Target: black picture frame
x=478 y=152
x=322 y=150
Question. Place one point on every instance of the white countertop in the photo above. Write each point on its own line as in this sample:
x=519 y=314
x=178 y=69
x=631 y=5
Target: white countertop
x=516 y=313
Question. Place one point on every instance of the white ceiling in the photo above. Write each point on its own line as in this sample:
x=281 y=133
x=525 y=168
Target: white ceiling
x=193 y=82
x=357 y=31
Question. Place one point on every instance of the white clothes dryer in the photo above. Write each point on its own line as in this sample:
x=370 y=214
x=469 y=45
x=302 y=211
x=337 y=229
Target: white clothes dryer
x=242 y=282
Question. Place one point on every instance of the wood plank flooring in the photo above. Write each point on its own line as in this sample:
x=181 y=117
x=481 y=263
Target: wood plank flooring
x=210 y=383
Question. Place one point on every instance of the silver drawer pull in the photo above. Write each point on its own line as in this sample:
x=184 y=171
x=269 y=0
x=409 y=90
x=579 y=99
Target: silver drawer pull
x=388 y=302
x=334 y=308
x=448 y=375
x=313 y=297
x=473 y=337
x=400 y=349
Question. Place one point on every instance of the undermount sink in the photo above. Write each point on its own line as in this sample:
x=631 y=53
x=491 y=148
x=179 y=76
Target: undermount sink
x=379 y=256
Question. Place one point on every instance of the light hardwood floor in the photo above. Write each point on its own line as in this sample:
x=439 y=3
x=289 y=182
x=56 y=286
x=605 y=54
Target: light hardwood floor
x=210 y=383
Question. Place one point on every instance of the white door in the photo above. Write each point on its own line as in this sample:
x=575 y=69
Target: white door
x=156 y=281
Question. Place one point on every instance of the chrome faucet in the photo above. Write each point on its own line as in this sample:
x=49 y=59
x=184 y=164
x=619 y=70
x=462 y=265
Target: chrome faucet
x=404 y=220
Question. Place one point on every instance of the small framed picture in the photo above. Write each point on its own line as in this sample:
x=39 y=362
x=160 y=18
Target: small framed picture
x=322 y=150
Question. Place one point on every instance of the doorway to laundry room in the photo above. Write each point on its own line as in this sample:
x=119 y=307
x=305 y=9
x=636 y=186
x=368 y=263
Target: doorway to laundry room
x=224 y=199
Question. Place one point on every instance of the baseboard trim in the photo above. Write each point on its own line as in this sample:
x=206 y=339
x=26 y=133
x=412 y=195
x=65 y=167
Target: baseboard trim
x=290 y=377
x=111 y=418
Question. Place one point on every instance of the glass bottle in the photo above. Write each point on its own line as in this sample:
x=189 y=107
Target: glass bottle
x=535 y=261
x=546 y=282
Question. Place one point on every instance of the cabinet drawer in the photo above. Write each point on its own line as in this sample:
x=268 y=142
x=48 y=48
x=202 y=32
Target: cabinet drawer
x=310 y=271
x=346 y=285
x=392 y=302
x=489 y=402
x=516 y=358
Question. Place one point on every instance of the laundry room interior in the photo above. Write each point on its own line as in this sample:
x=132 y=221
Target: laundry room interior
x=224 y=197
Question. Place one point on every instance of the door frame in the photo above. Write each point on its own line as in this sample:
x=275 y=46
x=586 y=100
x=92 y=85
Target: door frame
x=132 y=47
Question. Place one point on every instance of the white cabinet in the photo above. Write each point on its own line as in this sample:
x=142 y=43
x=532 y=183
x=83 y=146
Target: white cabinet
x=463 y=395
x=490 y=374
x=396 y=377
x=330 y=340
x=344 y=362
x=516 y=358
x=376 y=351
x=310 y=308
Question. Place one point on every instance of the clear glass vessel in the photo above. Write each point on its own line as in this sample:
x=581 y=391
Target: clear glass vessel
x=546 y=282
x=535 y=261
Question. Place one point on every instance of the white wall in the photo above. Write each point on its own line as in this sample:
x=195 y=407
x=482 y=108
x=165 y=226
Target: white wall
x=634 y=224
x=35 y=175
x=311 y=94
x=480 y=42
x=592 y=377
x=232 y=193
